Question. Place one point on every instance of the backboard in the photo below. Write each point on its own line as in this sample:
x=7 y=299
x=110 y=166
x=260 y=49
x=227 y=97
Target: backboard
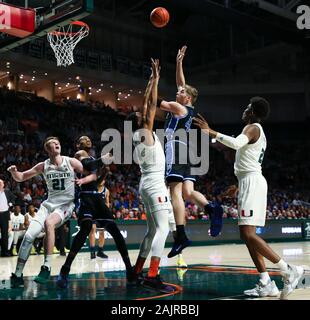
x=48 y=15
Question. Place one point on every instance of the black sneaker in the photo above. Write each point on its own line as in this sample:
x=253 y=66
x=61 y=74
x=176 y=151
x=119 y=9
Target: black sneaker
x=135 y=278
x=43 y=276
x=101 y=254
x=178 y=246
x=93 y=255
x=157 y=284
x=17 y=282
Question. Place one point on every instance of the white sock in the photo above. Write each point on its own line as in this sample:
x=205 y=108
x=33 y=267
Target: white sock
x=47 y=260
x=282 y=265
x=19 y=268
x=264 y=278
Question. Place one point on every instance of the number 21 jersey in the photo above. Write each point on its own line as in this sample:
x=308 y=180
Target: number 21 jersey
x=60 y=182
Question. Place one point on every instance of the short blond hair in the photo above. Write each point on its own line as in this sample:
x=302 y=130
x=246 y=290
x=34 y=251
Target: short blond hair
x=48 y=139
x=192 y=92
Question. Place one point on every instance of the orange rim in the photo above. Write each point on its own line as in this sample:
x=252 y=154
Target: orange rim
x=77 y=23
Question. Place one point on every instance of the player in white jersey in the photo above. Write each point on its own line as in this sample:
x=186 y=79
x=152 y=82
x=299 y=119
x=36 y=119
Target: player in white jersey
x=58 y=172
x=18 y=228
x=150 y=155
x=252 y=199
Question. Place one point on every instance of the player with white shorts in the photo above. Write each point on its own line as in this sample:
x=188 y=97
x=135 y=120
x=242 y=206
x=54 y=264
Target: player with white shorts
x=250 y=148
x=58 y=172
x=150 y=156
x=17 y=221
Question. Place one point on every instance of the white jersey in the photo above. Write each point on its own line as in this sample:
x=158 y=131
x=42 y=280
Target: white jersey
x=30 y=218
x=250 y=157
x=17 y=220
x=151 y=159
x=60 y=183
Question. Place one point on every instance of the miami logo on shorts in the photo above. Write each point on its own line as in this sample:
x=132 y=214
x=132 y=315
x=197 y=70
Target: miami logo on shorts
x=162 y=199
x=243 y=214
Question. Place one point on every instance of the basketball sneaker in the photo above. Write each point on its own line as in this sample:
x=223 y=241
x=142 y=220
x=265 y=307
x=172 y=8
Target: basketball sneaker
x=178 y=247
x=102 y=255
x=261 y=290
x=290 y=279
x=14 y=251
x=131 y=276
x=43 y=276
x=55 y=250
x=135 y=278
x=180 y=262
x=157 y=284
x=17 y=282
x=93 y=255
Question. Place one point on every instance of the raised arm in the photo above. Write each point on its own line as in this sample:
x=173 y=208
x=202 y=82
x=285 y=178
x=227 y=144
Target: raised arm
x=180 y=78
x=151 y=108
x=146 y=97
x=26 y=175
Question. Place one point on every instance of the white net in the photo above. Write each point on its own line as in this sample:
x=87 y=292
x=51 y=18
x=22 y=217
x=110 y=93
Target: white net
x=64 y=39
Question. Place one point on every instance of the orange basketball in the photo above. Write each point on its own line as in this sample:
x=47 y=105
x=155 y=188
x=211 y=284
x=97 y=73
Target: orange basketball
x=159 y=17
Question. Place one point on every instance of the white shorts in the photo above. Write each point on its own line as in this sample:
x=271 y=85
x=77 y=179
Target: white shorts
x=155 y=196
x=64 y=211
x=252 y=200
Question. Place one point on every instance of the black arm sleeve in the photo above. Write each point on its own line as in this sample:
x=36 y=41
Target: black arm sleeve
x=92 y=165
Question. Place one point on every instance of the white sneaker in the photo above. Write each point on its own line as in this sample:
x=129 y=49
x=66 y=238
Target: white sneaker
x=268 y=290
x=290 y=279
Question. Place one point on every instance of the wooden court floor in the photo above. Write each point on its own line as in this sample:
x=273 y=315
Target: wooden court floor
x=219 y=272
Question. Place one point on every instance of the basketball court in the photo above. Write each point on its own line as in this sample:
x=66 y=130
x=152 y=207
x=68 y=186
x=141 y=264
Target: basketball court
x=220 y=272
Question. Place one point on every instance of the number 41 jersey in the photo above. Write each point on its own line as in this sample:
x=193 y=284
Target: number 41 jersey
x=60 y=182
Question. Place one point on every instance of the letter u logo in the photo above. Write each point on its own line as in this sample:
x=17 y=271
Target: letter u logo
x=243 y=214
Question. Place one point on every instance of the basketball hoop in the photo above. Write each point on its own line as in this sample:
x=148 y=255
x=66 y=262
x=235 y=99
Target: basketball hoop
x=64 y=39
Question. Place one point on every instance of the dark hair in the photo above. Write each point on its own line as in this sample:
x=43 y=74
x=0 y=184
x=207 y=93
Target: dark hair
x=78 y=141
x=260 y=107
x=134 y=120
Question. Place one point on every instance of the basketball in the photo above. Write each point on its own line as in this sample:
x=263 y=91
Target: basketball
x=159 y=17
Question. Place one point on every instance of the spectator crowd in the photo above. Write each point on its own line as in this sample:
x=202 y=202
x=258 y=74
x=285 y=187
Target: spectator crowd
x=25 y=120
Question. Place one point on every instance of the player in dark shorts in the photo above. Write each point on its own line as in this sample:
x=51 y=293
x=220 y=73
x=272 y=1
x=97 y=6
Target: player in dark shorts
x=178 y=171
x=91 y=207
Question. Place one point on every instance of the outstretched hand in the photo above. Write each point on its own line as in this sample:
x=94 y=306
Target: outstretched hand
x=78 y=182
x=181 y=54
x=201 y=122
x=155 y=68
